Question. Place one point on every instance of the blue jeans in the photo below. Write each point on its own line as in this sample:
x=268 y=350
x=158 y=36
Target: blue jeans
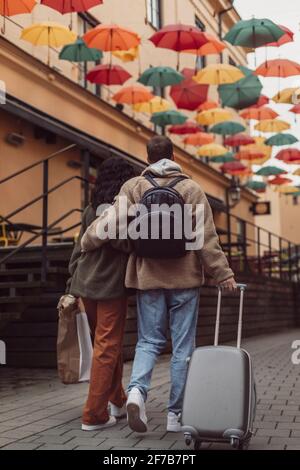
x=156 y=309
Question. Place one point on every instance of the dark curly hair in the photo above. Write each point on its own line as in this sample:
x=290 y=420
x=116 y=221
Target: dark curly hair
x=112 y=174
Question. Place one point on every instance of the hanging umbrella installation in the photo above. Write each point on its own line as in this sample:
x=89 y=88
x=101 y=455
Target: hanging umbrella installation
x=79 y=52
x=213 y=116
x=227 y=128
x=189 y=127
x=254 y=33
x=108 y=75
x=259 y=114
x=167 y=118
x=238 y=140
x=160 y=77
x=272 y=125
x=156 y=105
x=281 y=139
x=218 y=74
x=188 y=94
x=201 y=138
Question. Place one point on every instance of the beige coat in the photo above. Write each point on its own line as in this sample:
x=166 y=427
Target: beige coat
x=180 y=273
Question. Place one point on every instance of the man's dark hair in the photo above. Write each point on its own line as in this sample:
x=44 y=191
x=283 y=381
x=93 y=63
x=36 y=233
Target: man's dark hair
x=159 y=147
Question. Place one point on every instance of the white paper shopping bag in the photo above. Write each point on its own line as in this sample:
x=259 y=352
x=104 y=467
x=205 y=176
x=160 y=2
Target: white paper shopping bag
x=85 y=347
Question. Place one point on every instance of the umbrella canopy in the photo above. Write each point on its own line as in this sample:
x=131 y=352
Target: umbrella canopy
x=213 y=116
x=259 y=148
x=279 y=180
x=226 y=158
x=207 y=104
x=213 y=46
x=295 y=109
x=233 y=168
x=48 y=33
x=289 y=155
x=242 y=93
x=201 y=138
x=259 y=114
x=258 y=186
x=132 y=95
x=250 y=155
x=79 y=52
x=227 y=128
x=238 y=140
x=262 y=101
x=288 y=189
x=188 y=94
x=212 y=150
x=70 y=6
x=156 y=105
x=297 y=172
x=281 y=139
x=287 y=37
x=278 y=68
x=179 y=37
x=270 y=171
x=284 y=96
x=17 y=7
x=168 y=117
x=218 y=74
x=189 y=127
x=108 y=75
x=160 y=77
x=272 y=125
x=111 y=38
x=253 y=33
x=127 y=56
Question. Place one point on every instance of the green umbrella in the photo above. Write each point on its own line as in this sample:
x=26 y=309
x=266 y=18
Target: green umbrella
x=281 y=139
x=256 y=185
x=270 y=171
x=242 y=93
x=253 y=33
x=297 y=194
x=79 y=52
x=246 y=71
x=228 y=157
x=160 y=77
x=227 y=128
x=166 y=118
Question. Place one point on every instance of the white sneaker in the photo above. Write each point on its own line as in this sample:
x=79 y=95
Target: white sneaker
x=136 y=411
x=97 y=427
x=117 y=412
x=173 y=422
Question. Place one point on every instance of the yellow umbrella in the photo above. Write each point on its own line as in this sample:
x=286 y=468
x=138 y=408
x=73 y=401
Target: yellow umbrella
x=272 y=125
x=213 y=116
x=218 y=74
x=127 y=56
x=156 y=105
x=284 y=96
x=212 y=150
x=297 y=172
x=266 y=150
x=287 y=189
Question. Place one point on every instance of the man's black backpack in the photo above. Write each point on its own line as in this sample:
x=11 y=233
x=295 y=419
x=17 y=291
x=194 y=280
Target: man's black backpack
x=161 y=228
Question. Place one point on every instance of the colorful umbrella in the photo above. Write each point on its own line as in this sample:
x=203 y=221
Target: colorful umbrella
x=127 y=56
x=278 y=68
x=281 y=139
x=179 y=37
x=287 y=37
x=156 y=105
x=279 y=180
x=218 y=74
x=242 y=93
x=284 y=96
x=295 y=109
x=272 y=125
x=201 y=138
x=238 y=140
x=212 y=150
x=258 y=186
x=189 y=127
x=168 y=117
x=270 y=171
x=79 y=52
x=297 y=172
x=233 y=168
x=258 y=148
x=262 y=101
x=226 y=158
x=212 y=47
x=133 y=95
x=207 y=105
x=250 y=155
x=188 y=94
x=259 y=114
x=111 y=38
x=253 y=33
x=289 y=155
x=213 y=116
x=227 y=128
x=48 y=34
x=160 y=77
x=108 y=75
x=16 y=7
x=288 y=189
x=70 y=6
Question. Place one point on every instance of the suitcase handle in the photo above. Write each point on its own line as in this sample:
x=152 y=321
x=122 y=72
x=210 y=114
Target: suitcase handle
x=242 y=288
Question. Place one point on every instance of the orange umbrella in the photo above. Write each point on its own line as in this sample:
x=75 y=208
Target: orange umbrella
x=201 y=138
x=259 y=113
x=213 y=46
x=278 y=180
x=278 y=68
x=111 y=38
x=208 y=105
x=249 y=155
x=17 y=7
x=133 y=95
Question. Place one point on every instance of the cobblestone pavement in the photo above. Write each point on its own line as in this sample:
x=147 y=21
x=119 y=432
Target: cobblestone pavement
x=38 y=412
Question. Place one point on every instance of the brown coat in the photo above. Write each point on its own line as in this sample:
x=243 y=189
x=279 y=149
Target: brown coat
x=180 y=273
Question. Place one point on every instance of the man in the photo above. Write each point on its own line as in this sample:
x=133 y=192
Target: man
x=167 y=289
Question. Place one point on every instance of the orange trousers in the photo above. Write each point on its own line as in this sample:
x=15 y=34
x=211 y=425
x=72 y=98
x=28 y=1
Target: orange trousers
x=107 y=323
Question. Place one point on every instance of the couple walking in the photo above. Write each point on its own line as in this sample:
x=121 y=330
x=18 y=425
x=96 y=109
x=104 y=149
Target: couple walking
x=103 y=271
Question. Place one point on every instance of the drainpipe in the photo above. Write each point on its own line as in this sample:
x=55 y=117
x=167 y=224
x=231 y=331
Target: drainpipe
x=220 y=23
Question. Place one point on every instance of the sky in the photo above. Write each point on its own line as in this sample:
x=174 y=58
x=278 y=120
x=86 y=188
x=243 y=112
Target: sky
x=286 y=13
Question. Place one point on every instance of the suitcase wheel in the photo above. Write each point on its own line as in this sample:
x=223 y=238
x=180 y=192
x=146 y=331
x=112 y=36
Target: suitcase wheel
x=188 y=439
x=235 y=442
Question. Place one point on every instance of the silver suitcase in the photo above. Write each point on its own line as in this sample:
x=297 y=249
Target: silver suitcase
x=220 y=397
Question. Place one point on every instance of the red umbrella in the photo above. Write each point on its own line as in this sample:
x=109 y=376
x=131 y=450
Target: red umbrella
x=295 y=109
x=69 y=6
x=290 y=155
x=108 y=75
x=287 y=37
x=179 y=37
x=188 y=94
x=239 y=139
x=233 y=167
x=189 y=127
x=278 y=180
x=278 y=68
x=262 y=101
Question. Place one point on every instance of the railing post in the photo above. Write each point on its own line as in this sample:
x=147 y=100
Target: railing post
x=280 y=258
x=258 y=250
x=270 y=254
x=245 y=248
x=45 y=221
x=290 y=261
x=228 y=215
x=85 y=154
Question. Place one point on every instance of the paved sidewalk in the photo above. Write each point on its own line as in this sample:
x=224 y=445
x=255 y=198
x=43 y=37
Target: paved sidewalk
x=38 y=412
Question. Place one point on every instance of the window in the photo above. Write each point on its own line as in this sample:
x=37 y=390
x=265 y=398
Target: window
x=231 y=61
x=154 y=13
x=201 y=60
x=85 y=23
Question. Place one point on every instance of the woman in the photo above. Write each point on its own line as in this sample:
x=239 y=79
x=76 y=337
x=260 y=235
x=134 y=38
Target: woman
x=97 y=277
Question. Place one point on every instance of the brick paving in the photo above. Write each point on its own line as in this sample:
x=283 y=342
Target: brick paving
x=38 y=412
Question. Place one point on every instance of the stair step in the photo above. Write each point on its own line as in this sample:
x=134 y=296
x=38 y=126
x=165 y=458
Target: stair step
x=31 y=299
x=24 y=271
